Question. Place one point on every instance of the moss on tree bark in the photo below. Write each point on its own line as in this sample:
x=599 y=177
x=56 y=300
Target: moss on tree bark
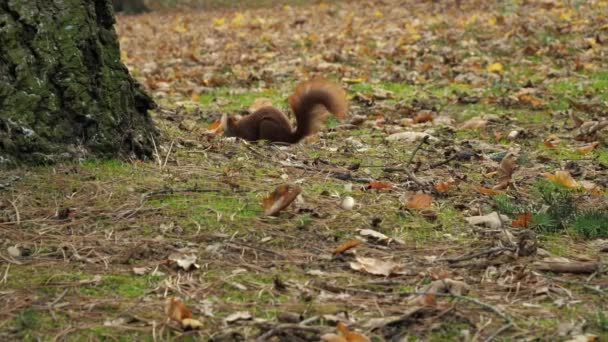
x=64 y=92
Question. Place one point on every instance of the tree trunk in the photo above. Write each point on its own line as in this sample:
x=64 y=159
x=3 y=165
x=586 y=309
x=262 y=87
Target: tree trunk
x=64 y=92
x=130 y=6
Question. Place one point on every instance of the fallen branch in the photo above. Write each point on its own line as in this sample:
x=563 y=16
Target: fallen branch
x=290 y=326
x=570 y=267
x=478 y=254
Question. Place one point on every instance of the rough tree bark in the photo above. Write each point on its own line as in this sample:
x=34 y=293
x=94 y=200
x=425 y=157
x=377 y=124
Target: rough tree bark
x=64 y=92
x=130 y=6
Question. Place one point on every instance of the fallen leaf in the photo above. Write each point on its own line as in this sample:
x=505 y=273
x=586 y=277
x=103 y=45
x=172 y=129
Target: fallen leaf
x=176 y=310
x=377 y=185
x=410 y=136
x=588 y=148
x=214 y=125
x=238 y=316
x=140 y=270
x=522 y=220
x=186 y=262
x=562 y=178
x=491 y=220
x=495 y=68
x=476 y=122
x=350 y=335
x=419 y=201
x=428 y=300
x=343 y=247
x=531 y=100
x=486 y=191
x=279 y=199
x=377 y=267
x=191 y=324
x=591 y=188
x=448 y=286
x=552 y=141
x=329 y=337
x=444 y=186
x=14 y=251
x=423 y=116
x=374 y=234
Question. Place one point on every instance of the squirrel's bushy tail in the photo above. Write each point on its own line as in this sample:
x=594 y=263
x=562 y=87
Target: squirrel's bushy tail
x=310 y=102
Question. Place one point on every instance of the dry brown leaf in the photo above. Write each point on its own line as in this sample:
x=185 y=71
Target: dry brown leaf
x=333 y=338
x=176 y=310
x=350 y=335
x=343 y=247
x=448 y=286
x=428 y=300
x=419 y=201
x=377 y=266
x=522 y=220
x=280 y=198
x=492 y=220
x=424 y=116
x=377 y=185
x=444 y=186
x=562 y=178
x=214 y=125
x=486 y=191
x=531 y=100
x=552 y=141
x=476 y=122
x=588 y=148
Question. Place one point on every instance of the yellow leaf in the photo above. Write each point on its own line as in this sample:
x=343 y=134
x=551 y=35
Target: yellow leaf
x=588 y=148
x=238 y=20
x=562 y=178
x=492 y=21
x=495 y=67
x=378 y=14
x=219 y=21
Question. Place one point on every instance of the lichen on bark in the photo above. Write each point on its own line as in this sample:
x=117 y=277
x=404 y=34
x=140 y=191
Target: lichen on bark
x=64 y=92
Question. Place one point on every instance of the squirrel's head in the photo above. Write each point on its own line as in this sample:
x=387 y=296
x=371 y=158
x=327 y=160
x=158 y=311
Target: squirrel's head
x=228 y=124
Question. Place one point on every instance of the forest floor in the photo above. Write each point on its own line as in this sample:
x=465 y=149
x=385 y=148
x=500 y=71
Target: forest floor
x=513 y=96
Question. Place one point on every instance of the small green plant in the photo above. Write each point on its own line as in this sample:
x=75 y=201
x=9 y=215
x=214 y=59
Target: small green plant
x=591 y=224
x=561 y=207
x=555 y=211
x=602 y=320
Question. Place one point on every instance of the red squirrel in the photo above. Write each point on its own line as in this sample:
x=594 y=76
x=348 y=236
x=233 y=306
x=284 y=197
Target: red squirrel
x=309 y=103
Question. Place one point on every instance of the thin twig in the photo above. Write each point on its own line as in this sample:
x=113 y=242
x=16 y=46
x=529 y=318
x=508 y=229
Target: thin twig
x=478 y=254
x=4 y=279
x=168 y=154
x=289 y=326
x=17 y=214
x=423 y=141
x=160 y=164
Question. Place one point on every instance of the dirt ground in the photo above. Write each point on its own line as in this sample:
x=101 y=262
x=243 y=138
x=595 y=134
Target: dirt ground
x=475 y=159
